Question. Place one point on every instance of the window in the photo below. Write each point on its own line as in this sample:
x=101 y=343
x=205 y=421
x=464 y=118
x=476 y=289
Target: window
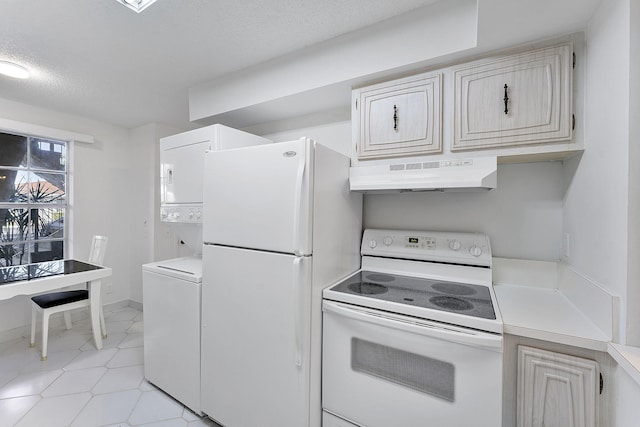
x=33 y=199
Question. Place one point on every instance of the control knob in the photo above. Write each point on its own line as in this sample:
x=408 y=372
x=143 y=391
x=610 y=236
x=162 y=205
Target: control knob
x=455 y=245
x=388 y=241
x=372 y=243
x=191 y=214
x=163 y=214
x=475 y=250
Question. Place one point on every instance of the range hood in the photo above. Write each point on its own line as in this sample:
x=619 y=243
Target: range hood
x=475 y=174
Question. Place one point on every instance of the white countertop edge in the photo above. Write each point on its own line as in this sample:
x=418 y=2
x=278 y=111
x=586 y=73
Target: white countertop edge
x=628 y=358
x=591 y=344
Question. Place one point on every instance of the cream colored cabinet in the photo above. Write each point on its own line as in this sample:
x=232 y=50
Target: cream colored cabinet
x=398 y=118
x=514 y=100
x=556 y=390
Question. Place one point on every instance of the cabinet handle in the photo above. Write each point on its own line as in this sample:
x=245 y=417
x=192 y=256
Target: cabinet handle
x=395 y=118
x=506 y=100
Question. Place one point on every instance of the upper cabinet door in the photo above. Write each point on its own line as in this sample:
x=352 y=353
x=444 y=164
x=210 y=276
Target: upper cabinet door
x=515 y=100
x=400 y=117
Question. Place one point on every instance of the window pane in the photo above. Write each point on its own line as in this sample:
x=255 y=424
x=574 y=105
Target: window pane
x=14 y=225
x=32 y=177
x=13 y=150
x=13 y=255
x=46 y=188
x=8 y=181
x=46 y=250
x=48 y=223
x=14 y=230
x=47 y=154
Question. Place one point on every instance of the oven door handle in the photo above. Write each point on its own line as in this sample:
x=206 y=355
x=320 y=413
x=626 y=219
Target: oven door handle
x=417 y=326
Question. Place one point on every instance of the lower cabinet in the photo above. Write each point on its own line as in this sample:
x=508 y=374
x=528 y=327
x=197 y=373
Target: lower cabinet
x=556 y=390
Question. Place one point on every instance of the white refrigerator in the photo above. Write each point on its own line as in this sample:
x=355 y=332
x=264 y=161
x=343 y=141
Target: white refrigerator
x=279 y=226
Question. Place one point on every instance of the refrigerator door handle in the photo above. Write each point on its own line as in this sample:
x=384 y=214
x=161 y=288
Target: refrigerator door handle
x=297 y=209
x=298 y=280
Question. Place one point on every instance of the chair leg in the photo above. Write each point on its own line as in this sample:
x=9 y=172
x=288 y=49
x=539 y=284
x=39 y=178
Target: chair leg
x=102 y=324
x=32 y=343
x=67 y=319
x=45 y=334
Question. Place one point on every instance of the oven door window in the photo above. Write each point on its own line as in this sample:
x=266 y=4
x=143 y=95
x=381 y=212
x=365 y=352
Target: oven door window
x=424 y=374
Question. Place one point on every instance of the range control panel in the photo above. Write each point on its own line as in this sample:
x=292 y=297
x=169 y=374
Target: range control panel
x=181 y=213
x=436 y=246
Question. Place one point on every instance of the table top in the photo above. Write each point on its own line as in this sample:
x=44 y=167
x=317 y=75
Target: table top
x=16 y=273
x=45 y=276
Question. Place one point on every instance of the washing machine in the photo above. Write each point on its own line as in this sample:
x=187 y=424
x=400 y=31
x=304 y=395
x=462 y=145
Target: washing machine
x=172 y=307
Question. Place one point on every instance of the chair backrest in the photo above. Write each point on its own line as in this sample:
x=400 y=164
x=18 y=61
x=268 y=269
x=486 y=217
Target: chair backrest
x=98 y=249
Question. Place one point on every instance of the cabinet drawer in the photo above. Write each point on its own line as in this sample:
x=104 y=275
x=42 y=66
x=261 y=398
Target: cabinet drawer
x=401 y=117
x=517 y=100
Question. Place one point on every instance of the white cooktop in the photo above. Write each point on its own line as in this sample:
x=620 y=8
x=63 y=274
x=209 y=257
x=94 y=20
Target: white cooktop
x=438 y=276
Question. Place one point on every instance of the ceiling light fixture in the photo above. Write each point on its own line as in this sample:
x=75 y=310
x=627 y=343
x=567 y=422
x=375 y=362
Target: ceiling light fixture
x=13 y=70
x=137 y=5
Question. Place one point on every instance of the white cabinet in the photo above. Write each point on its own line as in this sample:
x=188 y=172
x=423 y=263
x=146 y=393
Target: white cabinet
x=514 y=100
x=398 y=118
x=556 y=390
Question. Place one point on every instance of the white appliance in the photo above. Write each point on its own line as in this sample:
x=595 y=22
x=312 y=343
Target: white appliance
x=283 y=226
x=415 y=337
x=182 y=168
x=171 y=292
x=405 y=175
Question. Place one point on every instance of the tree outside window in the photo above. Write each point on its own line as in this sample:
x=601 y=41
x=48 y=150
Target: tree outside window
x=33 y=201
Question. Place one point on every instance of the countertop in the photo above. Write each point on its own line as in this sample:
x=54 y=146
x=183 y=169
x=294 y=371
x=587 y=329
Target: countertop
x=549 y=301
x=546 y=314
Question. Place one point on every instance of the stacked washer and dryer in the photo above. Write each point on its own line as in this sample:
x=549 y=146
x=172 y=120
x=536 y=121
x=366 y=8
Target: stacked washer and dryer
x=172 y=287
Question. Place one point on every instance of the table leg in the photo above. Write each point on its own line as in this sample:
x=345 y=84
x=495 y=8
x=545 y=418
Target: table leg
x=94 y=302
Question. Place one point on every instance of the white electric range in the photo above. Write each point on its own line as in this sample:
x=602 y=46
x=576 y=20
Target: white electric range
x=415 y=335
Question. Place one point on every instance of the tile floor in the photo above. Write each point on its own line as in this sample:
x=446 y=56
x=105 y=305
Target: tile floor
x=81 y=386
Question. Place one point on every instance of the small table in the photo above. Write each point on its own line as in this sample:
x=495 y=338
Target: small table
x=46 y=276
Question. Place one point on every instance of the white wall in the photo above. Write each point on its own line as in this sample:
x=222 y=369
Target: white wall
x=633 y=288
x=147 y=235
x=601 y=207
x=522 y=216
x=595 y=211
x=336 y=136
x=423 y=34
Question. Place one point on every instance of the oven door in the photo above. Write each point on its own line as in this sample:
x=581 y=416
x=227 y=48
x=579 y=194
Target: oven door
x=381 y=369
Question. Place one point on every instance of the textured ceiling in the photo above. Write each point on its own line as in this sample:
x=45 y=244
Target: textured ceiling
x=98 y=59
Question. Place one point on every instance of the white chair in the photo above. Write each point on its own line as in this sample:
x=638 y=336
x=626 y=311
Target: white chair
x=64 y=301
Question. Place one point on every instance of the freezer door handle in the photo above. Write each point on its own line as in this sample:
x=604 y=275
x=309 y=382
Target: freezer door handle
x=298 y=280
x=423 y=327
x=297 y=209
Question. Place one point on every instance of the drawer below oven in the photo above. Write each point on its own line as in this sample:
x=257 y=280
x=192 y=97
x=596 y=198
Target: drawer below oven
x=381 y=369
